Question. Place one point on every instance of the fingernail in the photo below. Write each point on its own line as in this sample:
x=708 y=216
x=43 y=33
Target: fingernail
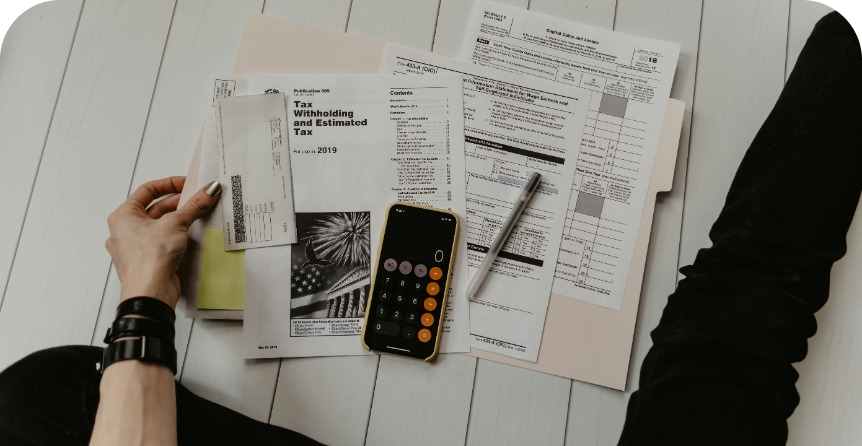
x=213 y=189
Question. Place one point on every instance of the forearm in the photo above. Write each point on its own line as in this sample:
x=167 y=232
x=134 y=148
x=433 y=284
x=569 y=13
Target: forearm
x=137 y=406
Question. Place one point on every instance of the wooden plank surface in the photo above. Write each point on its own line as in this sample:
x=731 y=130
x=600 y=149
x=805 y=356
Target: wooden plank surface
x=406 y=22
x=735 y=91
x=591 y=12
x=35 y=52
x=214 y=371
x=327 y=399
x=84 y=174
x=414 y=400
x=804 y=14
x=331 y=14
x=202 y=42
x=515 y=406
x=120 y=43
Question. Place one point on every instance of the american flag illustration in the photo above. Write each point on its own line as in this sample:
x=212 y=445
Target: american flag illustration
x=330 y=247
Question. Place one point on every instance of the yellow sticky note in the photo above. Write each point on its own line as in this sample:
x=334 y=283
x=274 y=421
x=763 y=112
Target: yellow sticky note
x=222 y=275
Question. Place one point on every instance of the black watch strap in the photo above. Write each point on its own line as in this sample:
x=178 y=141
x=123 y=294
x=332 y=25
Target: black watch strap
x=144 y=348
x=138 y=326
x=149 y=307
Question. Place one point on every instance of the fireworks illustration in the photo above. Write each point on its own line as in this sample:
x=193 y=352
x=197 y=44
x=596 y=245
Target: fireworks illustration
x=343 y=238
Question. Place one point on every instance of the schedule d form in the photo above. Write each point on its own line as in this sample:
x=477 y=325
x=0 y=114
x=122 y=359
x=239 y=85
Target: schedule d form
x=627 y=80
x=513 y=126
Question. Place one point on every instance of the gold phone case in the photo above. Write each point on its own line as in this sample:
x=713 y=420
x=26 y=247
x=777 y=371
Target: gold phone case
x=445 y=289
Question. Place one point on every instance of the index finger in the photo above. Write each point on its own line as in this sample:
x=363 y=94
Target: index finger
x=151 y=190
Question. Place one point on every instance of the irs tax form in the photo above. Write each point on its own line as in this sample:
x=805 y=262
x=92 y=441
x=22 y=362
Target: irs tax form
x=513 y=126
x=627 y=81
x=357 y=143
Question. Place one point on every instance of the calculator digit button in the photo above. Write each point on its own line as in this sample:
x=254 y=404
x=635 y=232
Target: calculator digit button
x=432 y=288
x=405 y=267
x=417 y=286
x=402 y=283
x=386 y=328
x=415 y=301
x=390 y=265
x=386 y=280
x=400 y=298
x=420 y=270
x=411 y=317
x=397 y=314
x=427 y=319
x=435 y=273
x=409 y=333
x=424 y=335
x=381 y=311
x=384 y=295
x=430 y=304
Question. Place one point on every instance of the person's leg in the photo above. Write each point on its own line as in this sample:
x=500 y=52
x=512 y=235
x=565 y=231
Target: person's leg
x=50 y=398
x=47 y=398
x=720 y=368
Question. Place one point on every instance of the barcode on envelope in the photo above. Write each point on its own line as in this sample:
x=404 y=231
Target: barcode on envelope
x=238 y=206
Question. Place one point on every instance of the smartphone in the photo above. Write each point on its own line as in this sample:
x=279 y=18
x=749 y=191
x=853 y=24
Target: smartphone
x=404 y=314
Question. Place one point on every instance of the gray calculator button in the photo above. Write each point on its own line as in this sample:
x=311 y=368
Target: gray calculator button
x=390 y=265
x=405 y=267
x=381 y=311
x=386 y=328
x=420 y=270
x=409 y=333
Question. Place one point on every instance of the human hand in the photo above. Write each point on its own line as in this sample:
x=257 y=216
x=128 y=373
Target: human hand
x=147 y=240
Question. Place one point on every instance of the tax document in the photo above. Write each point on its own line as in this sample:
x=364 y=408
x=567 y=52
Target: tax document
x=254 y=167
x=627 y=82
x=357 y=144
x=513 y=126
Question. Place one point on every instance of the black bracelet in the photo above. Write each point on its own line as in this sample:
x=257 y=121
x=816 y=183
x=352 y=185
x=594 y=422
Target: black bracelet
x=138 y=326
x=144 y=348
x=147 y=307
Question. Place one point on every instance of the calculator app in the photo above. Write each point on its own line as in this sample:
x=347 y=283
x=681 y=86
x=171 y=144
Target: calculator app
x=411 y=278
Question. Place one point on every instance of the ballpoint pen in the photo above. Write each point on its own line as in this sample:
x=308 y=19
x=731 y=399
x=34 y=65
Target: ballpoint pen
x=529 y=187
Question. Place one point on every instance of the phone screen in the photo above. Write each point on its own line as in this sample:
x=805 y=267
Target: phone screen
x=410 y=283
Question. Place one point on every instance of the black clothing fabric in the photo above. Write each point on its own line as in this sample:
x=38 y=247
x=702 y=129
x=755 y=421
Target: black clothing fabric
x=50 y=398
x=720 y=369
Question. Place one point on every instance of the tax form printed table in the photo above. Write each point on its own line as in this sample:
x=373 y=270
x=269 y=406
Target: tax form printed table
x=100 y=96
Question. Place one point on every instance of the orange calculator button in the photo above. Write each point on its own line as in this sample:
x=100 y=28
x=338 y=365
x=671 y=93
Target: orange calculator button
x=427 y=319
x=435 y=273
x=432 y=288
x=430 y=304
x=424 y=335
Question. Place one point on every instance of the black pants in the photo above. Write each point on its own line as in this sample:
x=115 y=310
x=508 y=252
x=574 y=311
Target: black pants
x=50 y=398
x=719 y=371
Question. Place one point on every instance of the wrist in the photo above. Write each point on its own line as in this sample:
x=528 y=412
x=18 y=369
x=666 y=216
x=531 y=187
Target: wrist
x=155 y=289
x=137 y=405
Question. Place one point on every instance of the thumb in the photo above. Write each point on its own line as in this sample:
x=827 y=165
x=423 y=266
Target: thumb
x=200 y=204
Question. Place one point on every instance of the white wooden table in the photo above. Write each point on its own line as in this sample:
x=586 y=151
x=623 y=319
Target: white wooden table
x=99 y=96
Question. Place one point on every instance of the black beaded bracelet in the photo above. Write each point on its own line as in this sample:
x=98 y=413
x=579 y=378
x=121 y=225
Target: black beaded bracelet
x=138 y=326
x=144 y=348
x=147 y=307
